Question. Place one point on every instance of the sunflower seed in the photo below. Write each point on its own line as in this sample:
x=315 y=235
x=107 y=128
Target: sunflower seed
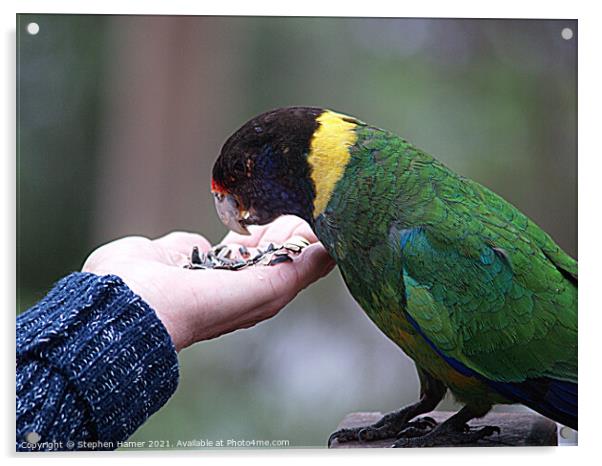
x=296 y=244
x=258 y=256
x=194 y=266
x=240 y=265
x=244 y=252
x=218 y=248
x=224 y=253
x=279 y=259
x=194 y=256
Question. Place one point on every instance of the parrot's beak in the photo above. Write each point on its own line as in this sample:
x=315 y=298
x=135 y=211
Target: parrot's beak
x=229 y=212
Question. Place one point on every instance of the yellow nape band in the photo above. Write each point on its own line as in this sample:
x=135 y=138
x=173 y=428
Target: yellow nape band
x=329 y=154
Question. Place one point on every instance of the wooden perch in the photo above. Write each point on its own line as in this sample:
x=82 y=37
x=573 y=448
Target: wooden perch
x=517 y=429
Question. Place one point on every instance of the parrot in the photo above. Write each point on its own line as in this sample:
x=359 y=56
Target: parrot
x=473 y=291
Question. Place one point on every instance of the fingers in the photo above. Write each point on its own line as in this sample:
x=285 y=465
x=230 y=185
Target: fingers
x=284 y=228
x=224 y=301
x=182 y=242
x=250 y=241
x=278 y=284
x=287 y=279
x=276 y=232
x=313 y=264
x=121 y=248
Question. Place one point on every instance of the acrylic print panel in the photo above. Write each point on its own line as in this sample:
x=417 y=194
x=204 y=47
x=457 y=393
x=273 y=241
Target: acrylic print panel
x=120 y=122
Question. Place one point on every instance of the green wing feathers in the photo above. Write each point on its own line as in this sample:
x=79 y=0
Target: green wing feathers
x=510 y=293
x=504 y=324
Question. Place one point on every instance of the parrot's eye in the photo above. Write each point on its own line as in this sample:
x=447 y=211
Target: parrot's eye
x=219 y=196
x=238 y=168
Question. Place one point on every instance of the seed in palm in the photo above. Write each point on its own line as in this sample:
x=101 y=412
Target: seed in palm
x=244 y=252
x=280 y=258
x=195 y=258
x=220 y=256
x=296 y=244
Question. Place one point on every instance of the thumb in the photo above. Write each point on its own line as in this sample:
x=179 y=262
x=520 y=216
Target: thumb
x=314 y=263
x=311 y=265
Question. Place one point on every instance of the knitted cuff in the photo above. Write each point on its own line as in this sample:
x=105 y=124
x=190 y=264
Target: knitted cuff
x=109 y=344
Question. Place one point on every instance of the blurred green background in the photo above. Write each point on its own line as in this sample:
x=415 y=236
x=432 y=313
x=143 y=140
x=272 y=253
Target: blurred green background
x=121 y=117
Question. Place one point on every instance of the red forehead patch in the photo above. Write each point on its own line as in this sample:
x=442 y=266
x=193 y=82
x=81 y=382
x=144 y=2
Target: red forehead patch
x=217 y=188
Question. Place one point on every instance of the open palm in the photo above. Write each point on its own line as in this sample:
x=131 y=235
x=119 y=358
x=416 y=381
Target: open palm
x=197 y=305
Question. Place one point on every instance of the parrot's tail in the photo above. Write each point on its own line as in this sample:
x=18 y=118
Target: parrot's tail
x=556 y=399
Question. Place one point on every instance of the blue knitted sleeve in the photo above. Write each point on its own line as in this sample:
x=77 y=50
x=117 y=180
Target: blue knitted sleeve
x=93 y=363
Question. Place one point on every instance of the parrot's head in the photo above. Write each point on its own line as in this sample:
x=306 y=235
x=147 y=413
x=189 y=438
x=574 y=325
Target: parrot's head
x=282 y=162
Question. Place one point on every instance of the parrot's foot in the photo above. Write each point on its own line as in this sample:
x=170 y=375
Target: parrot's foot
x=445 y=436
x=454 y=431
x=418 y=427
x=403 y=421
x=389 y=426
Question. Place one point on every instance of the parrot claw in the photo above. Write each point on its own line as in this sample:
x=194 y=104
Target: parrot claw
x=443 y=436
x=389 y=426
x=357 y=434
x=419 y=427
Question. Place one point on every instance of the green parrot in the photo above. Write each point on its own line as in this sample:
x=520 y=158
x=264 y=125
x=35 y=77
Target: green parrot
x=479 y=296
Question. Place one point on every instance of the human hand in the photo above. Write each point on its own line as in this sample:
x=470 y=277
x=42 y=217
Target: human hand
x=196 y=305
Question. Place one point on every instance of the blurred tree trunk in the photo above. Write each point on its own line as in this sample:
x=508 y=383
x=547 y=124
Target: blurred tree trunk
x=162 y=124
